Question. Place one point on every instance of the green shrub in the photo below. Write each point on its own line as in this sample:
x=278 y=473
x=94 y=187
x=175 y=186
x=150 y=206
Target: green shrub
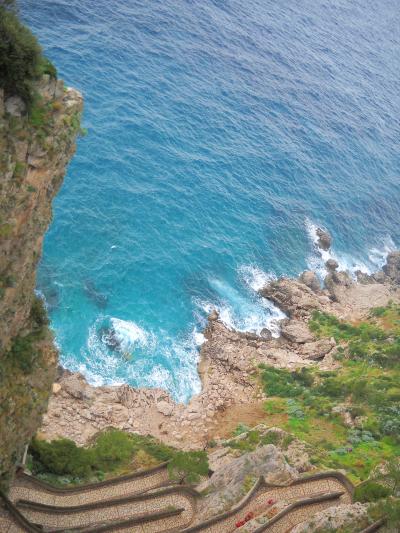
x=188 y=467
x=278 y=382
x=61 y=457
x=241 y=428
x=21 y=58
x=23 y=353
x=39 y=313
x=112 y=451
x=112 y=448
x=370 y=491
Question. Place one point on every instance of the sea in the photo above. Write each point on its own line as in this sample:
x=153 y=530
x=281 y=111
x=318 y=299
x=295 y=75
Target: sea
x=220 y=135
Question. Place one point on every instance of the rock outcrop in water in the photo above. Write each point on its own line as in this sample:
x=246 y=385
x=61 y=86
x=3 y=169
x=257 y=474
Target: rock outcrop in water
x=34 y=155
x=324 y=239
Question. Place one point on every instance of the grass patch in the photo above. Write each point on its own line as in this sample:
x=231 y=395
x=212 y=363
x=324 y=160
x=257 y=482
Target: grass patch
x=367 y=385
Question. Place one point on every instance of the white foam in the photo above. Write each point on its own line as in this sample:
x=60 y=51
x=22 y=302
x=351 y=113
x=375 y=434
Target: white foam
x=129 y=334
x=254 y=277
x=199 y=338
x=376 y=257
x=247 y=311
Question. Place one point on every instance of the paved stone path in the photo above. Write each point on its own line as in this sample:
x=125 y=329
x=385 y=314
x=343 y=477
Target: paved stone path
x=27 y=488
x=112 y=511
x=258 y=504
x=146 y=497
x=296 y=516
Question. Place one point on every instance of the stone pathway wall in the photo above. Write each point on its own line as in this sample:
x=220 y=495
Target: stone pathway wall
x=108 y=513
x=25 y=488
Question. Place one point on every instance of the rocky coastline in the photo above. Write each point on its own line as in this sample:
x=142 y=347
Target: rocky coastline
x=229 y=362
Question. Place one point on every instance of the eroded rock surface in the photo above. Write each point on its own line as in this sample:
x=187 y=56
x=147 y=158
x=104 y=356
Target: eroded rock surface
x=230 y=482
x=351 y=517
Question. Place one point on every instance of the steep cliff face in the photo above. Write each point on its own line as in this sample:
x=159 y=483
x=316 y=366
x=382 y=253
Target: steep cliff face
x=34 y=152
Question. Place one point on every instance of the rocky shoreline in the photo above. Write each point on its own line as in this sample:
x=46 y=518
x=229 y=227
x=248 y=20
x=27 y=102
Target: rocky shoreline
x=228 y=365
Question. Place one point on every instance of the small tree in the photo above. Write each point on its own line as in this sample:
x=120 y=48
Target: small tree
x=188 y=467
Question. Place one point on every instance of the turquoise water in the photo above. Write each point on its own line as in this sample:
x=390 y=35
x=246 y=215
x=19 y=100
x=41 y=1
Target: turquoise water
x=220 y=133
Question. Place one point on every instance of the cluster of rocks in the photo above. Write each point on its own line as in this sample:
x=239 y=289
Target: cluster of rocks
x=229 y=360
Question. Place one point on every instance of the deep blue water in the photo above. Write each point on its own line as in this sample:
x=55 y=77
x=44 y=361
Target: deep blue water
x=219 y=133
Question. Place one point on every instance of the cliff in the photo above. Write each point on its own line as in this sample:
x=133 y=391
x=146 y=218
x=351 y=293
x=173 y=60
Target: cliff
x=35 y=149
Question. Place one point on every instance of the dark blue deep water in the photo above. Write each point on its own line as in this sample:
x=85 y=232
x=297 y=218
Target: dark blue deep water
x=219 y=133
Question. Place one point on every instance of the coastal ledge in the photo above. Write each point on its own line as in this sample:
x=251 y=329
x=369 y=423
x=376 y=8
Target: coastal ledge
x=228 y=367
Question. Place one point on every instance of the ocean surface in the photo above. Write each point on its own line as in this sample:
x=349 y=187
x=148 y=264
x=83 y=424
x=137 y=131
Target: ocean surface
x=220 y=133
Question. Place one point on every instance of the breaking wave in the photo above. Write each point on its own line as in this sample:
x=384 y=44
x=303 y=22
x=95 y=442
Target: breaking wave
x=374 y=260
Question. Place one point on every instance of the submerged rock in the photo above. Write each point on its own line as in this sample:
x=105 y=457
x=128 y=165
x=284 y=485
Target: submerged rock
x=93 y=294
x=109 y=338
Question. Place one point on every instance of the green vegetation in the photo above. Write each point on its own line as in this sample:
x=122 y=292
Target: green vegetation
x=25 y=349
x=114 y=452
x=384 y=491
x=188 y=467
x=370 y=491
x=252 y=438
x=312 y=404
x=368 y=341
x=21 y=59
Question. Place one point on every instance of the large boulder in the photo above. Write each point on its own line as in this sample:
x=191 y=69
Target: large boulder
x=335 y=279
x=15 y=106
x=392 y=267
x=310 y=279
x=293 y=297
x=331 y=265
x=324 y=239
x=226 y=485
x=318 y=349
x=76 y=386
x=297 y=331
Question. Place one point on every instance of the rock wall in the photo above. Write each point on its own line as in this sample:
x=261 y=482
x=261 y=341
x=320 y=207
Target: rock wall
x=35 y=149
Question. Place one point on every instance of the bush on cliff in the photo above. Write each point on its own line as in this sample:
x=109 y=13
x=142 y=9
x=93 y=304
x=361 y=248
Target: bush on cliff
x=188 y=467
x=370 y=491
x=61 y=457
x=113 y=452
x=21 y=59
